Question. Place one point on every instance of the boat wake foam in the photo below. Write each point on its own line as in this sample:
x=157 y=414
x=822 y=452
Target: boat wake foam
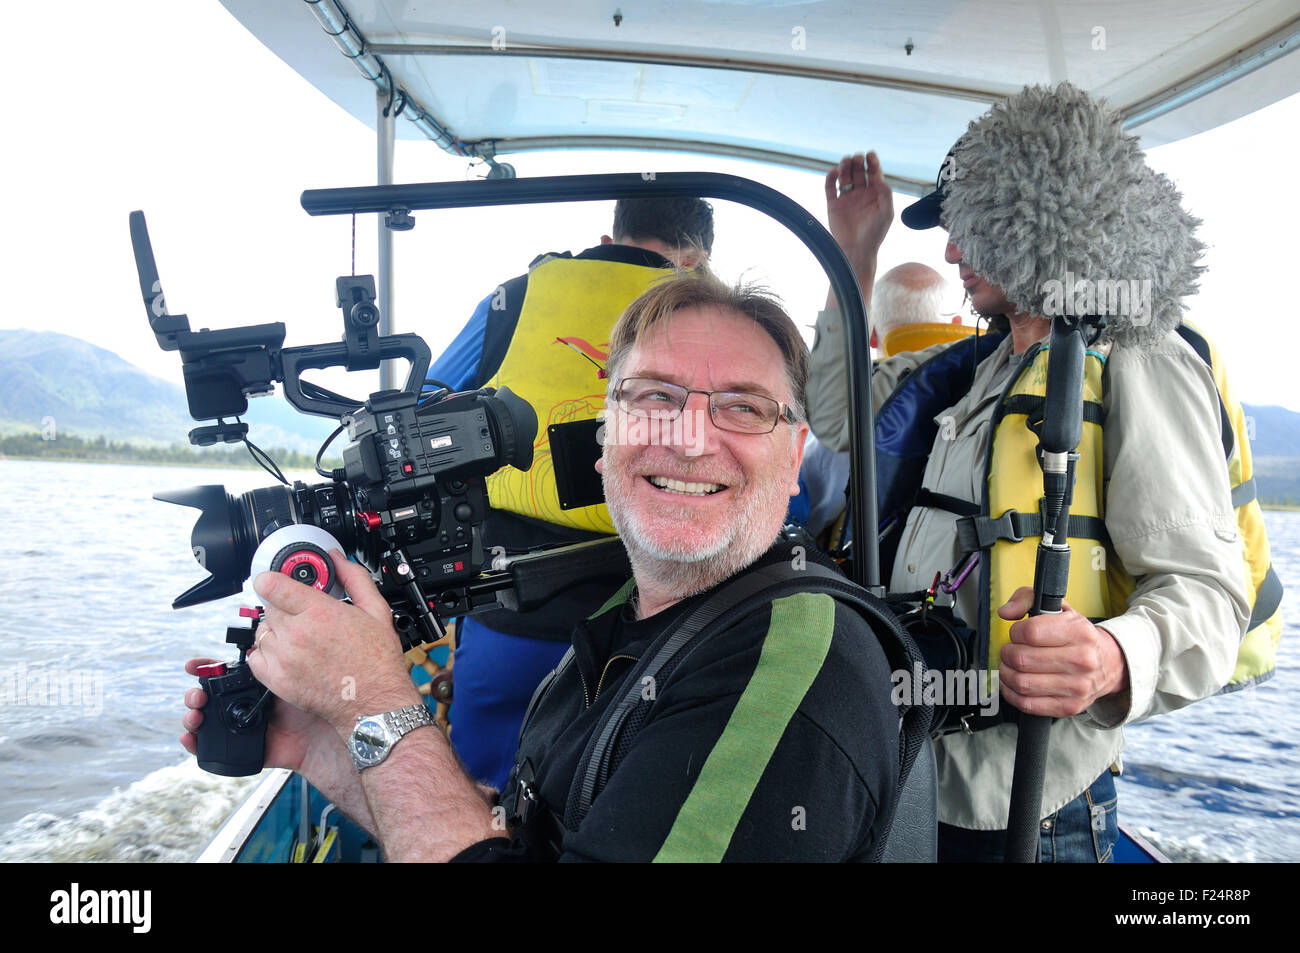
x=167 y=816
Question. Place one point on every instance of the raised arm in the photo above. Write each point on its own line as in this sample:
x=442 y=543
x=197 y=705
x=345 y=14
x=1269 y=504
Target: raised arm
x=859 y=209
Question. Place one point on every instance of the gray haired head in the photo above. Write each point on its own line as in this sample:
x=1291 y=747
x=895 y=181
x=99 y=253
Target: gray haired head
x=1047 y=190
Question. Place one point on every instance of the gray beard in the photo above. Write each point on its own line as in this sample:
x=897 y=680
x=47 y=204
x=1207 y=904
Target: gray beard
x=682 y=575
x=686 y=574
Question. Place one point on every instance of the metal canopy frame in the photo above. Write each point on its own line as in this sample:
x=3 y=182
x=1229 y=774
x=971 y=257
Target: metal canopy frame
x=392 y=99
x=336 y=22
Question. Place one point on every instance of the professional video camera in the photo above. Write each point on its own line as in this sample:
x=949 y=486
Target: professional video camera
x=408 y=503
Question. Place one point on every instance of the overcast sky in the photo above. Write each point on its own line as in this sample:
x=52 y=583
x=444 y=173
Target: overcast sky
x=176 y=109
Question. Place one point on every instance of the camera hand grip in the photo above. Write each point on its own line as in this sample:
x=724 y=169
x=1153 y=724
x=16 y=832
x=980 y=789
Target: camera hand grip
x=232 y=738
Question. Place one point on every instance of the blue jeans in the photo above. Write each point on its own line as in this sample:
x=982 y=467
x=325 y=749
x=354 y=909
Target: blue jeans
x=1082 y=832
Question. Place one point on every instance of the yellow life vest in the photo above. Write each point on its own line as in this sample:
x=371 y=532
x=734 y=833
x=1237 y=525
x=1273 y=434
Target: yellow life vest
x=1099 y=586
x=1257 y=657
x=559 y=344
x=1015 y=483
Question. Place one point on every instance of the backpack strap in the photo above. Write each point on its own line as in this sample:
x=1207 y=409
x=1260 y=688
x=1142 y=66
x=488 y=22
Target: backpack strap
x=914 y=719
x=623 y=719
x=543 y=687
x=668 y=647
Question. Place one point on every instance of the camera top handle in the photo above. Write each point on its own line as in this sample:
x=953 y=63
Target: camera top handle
x=295 y=360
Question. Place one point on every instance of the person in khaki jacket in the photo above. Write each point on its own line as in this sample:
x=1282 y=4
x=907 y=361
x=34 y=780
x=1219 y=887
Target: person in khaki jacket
x=1162 y=491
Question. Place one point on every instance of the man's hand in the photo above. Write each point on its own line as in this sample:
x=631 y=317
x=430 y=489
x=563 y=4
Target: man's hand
x=334 y=660
x=294 y=738
x=299 y=741
x=860 y=209
x=1057 y=665
x=327 y=662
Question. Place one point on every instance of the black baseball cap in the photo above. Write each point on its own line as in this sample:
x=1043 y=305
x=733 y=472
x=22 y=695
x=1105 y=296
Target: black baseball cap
x=924 y=213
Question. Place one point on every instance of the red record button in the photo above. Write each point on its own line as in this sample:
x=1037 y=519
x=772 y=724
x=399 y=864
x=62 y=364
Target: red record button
x=407 y=468
x=208 y=671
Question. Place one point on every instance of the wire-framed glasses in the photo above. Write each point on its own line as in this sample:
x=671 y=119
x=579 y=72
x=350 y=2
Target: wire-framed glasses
x=729 y=410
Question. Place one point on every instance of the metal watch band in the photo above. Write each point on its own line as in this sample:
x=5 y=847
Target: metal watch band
x=405 y=719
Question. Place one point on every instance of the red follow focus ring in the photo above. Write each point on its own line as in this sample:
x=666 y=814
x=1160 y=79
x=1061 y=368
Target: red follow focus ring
x=307 y=565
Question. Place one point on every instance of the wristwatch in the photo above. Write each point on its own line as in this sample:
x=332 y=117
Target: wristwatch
x=373 y=736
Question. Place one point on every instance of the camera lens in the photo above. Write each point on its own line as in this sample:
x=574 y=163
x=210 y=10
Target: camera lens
x=229 y=529
x=223 y=541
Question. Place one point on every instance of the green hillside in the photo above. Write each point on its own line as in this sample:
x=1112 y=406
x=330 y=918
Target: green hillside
x=54 y=383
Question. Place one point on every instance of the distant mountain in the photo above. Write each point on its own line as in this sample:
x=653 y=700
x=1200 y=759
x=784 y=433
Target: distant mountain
x=88 y=391
x=1276 y=431
x=1275 y=447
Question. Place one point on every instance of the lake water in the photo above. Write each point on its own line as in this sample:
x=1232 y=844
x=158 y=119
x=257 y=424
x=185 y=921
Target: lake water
x=91 y=685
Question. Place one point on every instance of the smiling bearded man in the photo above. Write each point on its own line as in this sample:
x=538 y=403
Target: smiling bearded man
x=743 y=729
x=757 y=719
x=704 y=491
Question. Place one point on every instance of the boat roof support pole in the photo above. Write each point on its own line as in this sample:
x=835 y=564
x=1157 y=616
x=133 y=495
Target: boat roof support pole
x=385 y=133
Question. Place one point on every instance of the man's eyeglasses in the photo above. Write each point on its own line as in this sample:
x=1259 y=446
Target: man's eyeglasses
x=739 y=413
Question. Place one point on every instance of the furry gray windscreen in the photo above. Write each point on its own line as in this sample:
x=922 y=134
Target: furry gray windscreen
x=1051 y=200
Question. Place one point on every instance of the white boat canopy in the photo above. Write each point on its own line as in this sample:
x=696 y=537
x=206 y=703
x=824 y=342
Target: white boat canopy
x=790 y=82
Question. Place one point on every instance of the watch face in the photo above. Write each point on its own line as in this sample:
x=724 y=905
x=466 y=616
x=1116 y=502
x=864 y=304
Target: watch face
x=370 y=741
